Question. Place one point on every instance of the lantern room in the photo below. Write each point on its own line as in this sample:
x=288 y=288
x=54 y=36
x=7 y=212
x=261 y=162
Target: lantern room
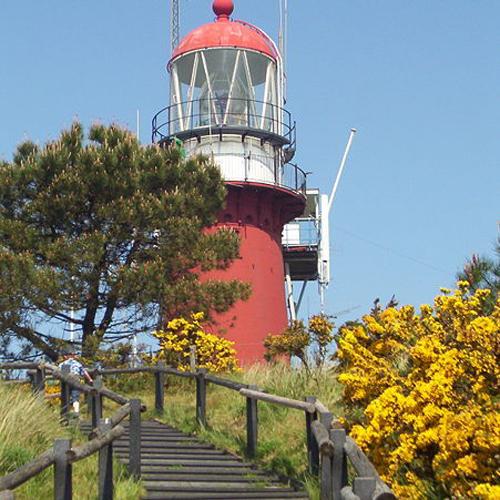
x=227 y=98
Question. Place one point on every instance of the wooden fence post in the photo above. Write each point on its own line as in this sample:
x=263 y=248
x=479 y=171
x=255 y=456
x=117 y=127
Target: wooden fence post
x=38 y=381
x=201 y=397
x=364 y=487
x=159 y=388
x=62 y=470
x=96 y=401
x=106 y=466
x=134 y=459
x=252 y=424
x=65 y=393
x=325 y=480
x=339 y=461
x=312 y=445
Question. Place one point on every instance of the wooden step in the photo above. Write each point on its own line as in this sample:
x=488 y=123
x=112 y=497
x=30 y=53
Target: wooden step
x=212 y=487
x=194 y=452
x=175 y=465
x=181 y=469
x=227 y=479
x=192 y=462
x=264 y=495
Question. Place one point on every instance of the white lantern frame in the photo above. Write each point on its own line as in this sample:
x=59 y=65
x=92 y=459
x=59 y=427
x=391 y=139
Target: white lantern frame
x=241 y=75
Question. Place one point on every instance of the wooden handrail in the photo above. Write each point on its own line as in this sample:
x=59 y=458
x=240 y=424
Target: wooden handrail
x=73 y=381
x=87 y=449
x=19 y=365
x=121 y=414
x=27 y=471
x=121 y=371
x=365 y=468
x=145 y=369
x=322 y=437
x=279 y=400
x=229 y=384
x=70 y=379
x=320 y=407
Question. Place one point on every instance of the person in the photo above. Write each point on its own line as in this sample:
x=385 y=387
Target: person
x=75 y=368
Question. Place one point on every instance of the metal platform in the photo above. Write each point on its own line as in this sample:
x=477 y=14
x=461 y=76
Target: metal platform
x=302 y=261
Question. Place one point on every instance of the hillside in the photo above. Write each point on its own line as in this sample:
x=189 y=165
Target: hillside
x=28 y=426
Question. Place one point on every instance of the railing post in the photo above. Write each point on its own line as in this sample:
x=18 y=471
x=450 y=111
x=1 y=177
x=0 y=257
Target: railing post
x=96 y=401
x=106 y=466
x=325 y=480
x=339 y=462
x=62 y=470
x=364 y=487
x=201 y=397
x=134 y=459
x=38 y=381
x=159 y=388
x=312 y=445
x=277 y=180
x=252 y=424
x=65 y=393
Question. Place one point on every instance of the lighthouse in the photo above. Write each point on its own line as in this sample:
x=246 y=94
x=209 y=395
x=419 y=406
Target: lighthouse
x=227 y=88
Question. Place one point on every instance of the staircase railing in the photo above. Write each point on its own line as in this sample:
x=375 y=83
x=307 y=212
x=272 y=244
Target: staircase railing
x=329 y=448
x=104 y=432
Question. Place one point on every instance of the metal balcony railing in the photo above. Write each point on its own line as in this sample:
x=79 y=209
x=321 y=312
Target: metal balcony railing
x=230 y=115
x=302 y=232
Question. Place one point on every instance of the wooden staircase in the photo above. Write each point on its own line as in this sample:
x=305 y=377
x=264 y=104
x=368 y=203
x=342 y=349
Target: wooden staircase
x=175 y=465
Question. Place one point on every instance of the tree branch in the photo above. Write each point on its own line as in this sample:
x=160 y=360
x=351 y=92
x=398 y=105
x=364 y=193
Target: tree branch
x=37 y=342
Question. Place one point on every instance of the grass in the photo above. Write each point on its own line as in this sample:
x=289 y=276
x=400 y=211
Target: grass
x=281 y=432
x=28 y=427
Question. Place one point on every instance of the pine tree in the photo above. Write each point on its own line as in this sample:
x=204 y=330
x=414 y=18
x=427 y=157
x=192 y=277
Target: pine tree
x=110 y=229
x=483 y=272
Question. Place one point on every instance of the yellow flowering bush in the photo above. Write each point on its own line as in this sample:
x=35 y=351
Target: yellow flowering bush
x=422 y=394
x=214 y=353
x=298 y=340
x=52 y=393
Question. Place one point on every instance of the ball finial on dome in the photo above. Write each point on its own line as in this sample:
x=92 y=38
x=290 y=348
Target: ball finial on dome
x=223 y=8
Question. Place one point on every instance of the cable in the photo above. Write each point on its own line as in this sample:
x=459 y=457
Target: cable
x=390 y=250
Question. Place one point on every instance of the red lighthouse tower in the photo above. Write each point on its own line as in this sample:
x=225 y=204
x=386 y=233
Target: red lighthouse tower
x=227 y=102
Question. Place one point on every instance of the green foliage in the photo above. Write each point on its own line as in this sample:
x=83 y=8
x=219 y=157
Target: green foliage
x=483 y=272
x=310 y=344
x=111 y=229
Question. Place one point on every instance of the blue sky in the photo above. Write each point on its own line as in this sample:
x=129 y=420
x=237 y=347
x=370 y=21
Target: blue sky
x=420 y=80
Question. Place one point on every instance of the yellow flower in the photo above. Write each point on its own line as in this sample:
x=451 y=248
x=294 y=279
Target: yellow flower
x=212 y=352
x=421 y=392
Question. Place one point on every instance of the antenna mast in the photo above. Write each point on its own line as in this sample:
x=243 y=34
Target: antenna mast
x=283 y=30
x=174 y=24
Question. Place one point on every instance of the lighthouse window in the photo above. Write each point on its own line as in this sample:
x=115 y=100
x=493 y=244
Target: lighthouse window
x=224 y=87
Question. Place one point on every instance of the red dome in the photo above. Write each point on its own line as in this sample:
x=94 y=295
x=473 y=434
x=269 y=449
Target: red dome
x=226 y=33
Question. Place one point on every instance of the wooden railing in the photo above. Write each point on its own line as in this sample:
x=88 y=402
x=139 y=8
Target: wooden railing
x=328 y=447
x=63 y=455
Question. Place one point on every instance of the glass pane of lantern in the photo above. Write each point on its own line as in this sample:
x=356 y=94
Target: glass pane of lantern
x=224 y=86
